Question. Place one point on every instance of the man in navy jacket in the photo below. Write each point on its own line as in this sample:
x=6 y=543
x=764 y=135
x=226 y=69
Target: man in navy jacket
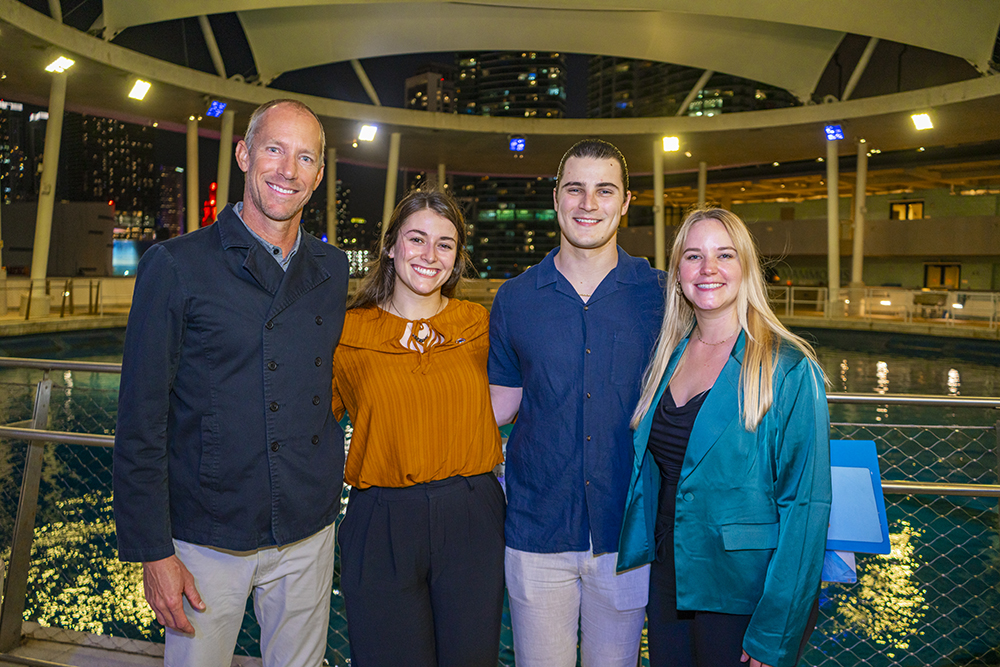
x=228 y=461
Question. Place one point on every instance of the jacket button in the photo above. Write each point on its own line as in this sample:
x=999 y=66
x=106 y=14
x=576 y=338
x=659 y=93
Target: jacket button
x=319 y=362
x=315 y=400
x=315 y=440
x=271 y=366
x=588 y=394
x=588 y=438
x=688 y=497
x=319 y=320
x=275 y=446
x=269 y=325
x=274 y=406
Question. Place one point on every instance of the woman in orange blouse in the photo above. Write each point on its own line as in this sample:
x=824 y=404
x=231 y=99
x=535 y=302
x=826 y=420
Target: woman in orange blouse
x=422 y=544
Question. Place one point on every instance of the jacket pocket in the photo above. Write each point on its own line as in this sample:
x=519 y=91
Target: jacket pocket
x=208 y=470
x=740 y=536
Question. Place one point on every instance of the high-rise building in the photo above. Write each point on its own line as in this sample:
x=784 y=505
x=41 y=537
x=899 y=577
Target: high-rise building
x=432 y=88
x=16 y=177
x=170 y=217
x=511 y=222
x=627 y=88
x=512 y=83
x=107 y=160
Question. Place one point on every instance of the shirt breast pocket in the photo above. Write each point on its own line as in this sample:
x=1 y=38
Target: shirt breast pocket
x=627 y=362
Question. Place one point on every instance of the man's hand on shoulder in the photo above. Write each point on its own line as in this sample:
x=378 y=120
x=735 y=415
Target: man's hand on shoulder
x=165 y=583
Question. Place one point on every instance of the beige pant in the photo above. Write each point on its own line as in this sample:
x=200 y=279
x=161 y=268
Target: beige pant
x=291 y=587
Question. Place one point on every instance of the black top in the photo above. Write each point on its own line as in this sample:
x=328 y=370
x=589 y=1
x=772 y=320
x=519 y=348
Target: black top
x=669 y=433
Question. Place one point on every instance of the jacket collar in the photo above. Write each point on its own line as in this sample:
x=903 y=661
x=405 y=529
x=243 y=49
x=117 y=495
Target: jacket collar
x=304 y=270
x=717 y=413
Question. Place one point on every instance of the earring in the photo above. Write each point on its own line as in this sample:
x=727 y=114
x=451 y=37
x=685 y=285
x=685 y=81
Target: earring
x=678 y=289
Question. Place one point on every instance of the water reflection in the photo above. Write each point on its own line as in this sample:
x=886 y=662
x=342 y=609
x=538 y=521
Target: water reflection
x=76 y=581
x=887 y=604
x=882 y=387
x=954 y=382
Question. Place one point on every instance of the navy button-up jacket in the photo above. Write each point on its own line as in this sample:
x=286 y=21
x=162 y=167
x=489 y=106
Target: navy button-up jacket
x=221 y=440
x=580 y=365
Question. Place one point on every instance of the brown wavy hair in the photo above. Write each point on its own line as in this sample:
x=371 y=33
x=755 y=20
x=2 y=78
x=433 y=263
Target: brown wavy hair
x=377 y=285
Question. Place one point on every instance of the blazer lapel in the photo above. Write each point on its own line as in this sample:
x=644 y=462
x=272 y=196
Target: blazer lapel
x=263 y=268
x=304 y=273
x=722 y=407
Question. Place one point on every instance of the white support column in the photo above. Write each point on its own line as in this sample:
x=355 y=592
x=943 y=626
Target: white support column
x=391 y=172
x=330 y=174
x=859 y=69
x=213 y=46
x=702 y=82
x=659 y=230
x=225 y=159
x=860 y=208
x=40 y=301
x=702 y=183
x=50 y=170
x=832 y=229
x=857 y=287
x=442 y=176
x=191 y=208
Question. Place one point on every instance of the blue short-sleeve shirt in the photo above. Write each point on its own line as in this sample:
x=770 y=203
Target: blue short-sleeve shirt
x=580 y=366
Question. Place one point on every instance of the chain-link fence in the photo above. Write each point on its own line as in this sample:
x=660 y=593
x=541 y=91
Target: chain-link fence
x=932 y=601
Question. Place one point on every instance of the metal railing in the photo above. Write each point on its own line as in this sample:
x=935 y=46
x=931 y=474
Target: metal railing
x=890 y=303
x=64 y=297
x=932 y=601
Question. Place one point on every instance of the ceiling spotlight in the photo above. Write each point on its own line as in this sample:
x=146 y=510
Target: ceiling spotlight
x=775 y=164
x=922 y=121
x=671 y=144
x=139 y=90
x=367 y=132
x=687 y=153
x=60 y=65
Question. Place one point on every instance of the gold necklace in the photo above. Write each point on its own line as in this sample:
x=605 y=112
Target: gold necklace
x=697 y=332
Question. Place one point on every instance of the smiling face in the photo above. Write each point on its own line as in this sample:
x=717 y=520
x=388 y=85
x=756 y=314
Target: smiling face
x=590 y=201
x=424 y=253
x=283 y=166
x=710 y=271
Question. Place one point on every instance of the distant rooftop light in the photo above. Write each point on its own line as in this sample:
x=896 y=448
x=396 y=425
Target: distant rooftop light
x=367 y=132
x=215 y=109
x=834 y=132
x=922 y=121
x=60 y=64
x=139 y=90
x=671 y=144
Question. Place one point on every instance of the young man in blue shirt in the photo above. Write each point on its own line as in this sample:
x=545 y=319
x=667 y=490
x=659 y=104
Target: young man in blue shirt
x=569 y=341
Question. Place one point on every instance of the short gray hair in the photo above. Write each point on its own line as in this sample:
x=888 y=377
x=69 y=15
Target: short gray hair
x=259 y=112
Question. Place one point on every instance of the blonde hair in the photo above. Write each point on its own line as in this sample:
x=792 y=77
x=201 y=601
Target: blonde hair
x=764 y=332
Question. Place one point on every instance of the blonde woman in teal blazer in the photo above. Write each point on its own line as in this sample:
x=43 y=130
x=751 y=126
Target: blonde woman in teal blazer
x=752 y=502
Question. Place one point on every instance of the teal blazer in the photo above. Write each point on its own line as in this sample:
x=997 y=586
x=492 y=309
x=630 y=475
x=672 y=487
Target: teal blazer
x=752 y=508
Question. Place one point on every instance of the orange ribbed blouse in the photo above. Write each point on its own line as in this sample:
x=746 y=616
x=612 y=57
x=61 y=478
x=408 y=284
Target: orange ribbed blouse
x=417 y=416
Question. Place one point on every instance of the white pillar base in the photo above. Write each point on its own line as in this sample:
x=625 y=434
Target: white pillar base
x=41 y=305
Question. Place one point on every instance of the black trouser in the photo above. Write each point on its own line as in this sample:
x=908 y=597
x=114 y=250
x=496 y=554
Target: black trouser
x=690 y=638
x=422 y=573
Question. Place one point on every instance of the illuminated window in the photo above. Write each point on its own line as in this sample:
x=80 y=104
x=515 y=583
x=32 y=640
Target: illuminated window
x=906 y=210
